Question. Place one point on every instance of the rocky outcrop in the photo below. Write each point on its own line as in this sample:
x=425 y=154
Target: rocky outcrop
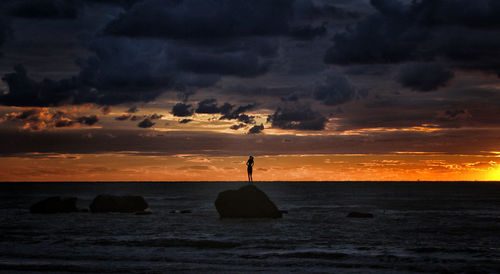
x=359 y=215
x=246 y=202
x=110 y=203
x=54 y=205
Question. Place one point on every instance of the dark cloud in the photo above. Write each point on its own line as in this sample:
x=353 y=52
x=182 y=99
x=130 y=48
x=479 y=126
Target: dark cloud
x=424 y=76
x=228 y=111
x=454 y=114
x=336 y=90
x=146 y=123
x=291 y=98
x=124 y=3
x=239 y=64
x=24 y=91
x=208 y=106
x=106 y=110
x=88 y=120
x=132 y=109
x=44 y=9
x=299 y=117
x=5 y=30
x=227 y=18
x=182 y=110
x=123 y=117
x=238 y=126
x=375 y=40
x=246 y=119
x=185 y=121
x=308 y=32
x=262 y=91
x=155 y=116
x=120 y=72
x=256 y=129
x=236 y=38
x=309 y=10
x=475 y=14
x=458 y=33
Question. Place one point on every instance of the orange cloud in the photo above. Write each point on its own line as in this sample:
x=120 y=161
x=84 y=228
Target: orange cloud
x=37 y=119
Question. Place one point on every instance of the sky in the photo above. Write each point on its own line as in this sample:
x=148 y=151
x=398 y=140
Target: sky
x=186 y=90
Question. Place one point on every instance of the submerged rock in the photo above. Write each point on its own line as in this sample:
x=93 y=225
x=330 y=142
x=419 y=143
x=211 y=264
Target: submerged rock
x=246 y=202
x=54 y=205
x=183 y=211
x=110 y=203
x=359 y=215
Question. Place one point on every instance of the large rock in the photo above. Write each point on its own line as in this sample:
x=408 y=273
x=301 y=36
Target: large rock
x=246 y=202
x=110 y=203
x=54 y=205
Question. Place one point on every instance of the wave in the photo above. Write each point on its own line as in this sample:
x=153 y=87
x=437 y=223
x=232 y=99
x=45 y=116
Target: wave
x=170 y=242
x=444 y=250
x=303 y=254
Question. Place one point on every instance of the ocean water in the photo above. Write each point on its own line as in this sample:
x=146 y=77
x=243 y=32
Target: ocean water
x=418 y=227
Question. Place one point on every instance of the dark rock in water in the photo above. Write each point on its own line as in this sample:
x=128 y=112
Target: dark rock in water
x=359 y=215
x=54 y=205
x=110 y=203
x=180 y=211
x=246 y=202
x=284 y=211
x=143 y=213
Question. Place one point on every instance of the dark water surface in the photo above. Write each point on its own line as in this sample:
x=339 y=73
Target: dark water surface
x=418 y=227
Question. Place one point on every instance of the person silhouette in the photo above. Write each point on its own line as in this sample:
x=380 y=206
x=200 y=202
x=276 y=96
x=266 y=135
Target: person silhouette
x=249 y=168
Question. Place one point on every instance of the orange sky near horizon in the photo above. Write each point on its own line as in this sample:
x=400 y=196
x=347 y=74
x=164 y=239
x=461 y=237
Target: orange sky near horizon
x=329 y=167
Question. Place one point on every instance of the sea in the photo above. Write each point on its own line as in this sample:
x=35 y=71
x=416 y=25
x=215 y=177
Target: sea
x=418 y=227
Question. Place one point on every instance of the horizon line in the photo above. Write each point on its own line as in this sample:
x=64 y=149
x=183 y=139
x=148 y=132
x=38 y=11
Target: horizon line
x=278 y=181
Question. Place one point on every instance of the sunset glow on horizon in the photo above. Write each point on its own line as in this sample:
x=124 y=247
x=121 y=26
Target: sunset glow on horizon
x=130 y=167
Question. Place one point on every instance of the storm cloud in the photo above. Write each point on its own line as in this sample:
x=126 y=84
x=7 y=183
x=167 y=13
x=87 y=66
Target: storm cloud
x=182 y=110
x=335 y=91
x=42 y=9
x=424 y=77
x=461 y=34
x=146 y=123
x=256 y=129
x=298 y=117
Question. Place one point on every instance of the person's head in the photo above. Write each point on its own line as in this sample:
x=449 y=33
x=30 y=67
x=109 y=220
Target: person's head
x=250 y=158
